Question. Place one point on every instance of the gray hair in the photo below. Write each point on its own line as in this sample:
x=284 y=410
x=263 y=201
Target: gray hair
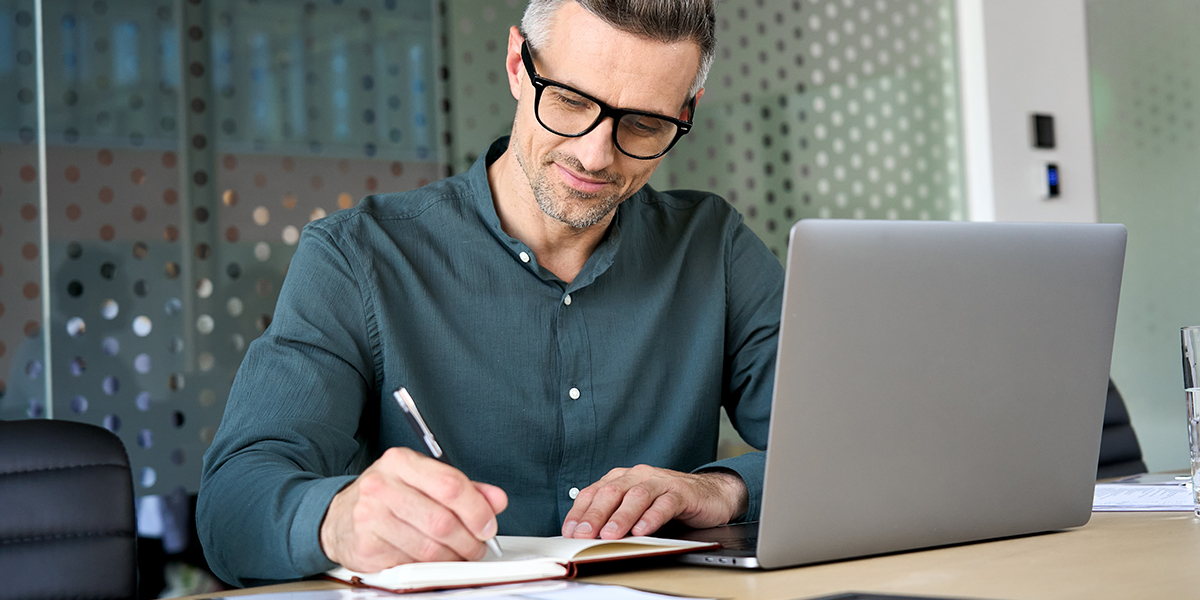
x=659 y=20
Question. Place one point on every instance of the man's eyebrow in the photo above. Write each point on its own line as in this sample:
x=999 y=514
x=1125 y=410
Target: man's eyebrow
x=653 y=111
x=533 y=54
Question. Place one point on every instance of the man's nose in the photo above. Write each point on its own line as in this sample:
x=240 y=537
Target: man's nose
x=596 y=150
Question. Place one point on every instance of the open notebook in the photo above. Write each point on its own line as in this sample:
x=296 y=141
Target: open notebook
x=525 y=559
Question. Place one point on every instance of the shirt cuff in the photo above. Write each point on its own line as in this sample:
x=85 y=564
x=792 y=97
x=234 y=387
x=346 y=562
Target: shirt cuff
x=304 y=538
x=749 y=467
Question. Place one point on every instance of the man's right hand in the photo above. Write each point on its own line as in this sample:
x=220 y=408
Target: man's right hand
x=407 y=507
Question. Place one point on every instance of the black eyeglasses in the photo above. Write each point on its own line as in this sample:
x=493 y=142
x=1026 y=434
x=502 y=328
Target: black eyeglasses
x=568 y=112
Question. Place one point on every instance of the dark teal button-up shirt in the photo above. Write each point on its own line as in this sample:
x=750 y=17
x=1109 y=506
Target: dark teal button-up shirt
x=529 y=383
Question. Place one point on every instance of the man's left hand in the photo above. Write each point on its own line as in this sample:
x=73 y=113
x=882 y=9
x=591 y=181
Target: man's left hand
x=641 y=499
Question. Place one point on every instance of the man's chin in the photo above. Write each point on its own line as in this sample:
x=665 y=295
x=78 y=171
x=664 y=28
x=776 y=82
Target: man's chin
x=579 y=219
x=576 y=221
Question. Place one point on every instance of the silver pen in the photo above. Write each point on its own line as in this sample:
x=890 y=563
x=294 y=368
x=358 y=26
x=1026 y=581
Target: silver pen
x=404 y=399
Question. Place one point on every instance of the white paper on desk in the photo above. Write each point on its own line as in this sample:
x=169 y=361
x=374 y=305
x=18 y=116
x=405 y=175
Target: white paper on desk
x=540 y=590
x=1155 y=479
x=336 y=594
x=495 y=592
x=1117 y=497
x=587 y=591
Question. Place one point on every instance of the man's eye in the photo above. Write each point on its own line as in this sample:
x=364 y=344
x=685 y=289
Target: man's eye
x=572 y=101
x=644 y=127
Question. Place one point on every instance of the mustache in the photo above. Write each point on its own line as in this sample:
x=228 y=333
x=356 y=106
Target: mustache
x=577 y=166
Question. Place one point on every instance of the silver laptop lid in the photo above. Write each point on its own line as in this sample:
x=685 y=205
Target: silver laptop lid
x=937 y=382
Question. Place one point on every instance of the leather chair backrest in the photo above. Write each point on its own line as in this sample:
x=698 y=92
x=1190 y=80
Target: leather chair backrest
x=67 y=525
x=1120 y=453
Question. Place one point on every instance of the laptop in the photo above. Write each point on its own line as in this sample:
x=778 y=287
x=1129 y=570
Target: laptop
x=936 y=383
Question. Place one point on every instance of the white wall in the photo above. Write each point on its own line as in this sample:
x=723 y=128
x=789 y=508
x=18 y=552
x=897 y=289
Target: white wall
x=1019 y=57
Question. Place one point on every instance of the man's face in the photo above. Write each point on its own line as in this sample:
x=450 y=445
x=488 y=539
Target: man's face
x=579 y=181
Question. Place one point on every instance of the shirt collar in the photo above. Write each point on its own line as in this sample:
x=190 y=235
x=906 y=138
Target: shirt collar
x=600 y=260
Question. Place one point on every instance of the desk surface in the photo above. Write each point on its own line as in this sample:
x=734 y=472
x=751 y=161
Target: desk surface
x=1114 y=556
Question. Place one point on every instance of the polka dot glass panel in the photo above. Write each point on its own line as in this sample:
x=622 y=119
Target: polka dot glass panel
x=834 y=108
x=1144 y=77
x=187 y=146
x=479 y=107
x=188 y=143
x=813 y=108
x=22 y=368
x=321 y=78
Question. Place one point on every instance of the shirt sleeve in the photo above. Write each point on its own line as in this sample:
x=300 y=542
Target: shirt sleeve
x=754 y=292
x=287 y=442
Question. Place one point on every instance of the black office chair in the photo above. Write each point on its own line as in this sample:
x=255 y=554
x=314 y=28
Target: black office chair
x=1120 y=453
x=67 y=525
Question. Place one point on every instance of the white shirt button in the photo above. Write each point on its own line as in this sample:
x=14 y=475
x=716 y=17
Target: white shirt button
x=567 y=300
x=573 y=492
x=573 y=393
x=524 y=257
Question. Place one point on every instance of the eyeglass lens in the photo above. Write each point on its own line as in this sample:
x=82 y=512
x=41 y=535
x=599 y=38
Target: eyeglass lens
x=566 y=113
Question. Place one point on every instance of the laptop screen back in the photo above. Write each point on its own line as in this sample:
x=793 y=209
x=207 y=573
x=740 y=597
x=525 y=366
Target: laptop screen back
x=937 y=382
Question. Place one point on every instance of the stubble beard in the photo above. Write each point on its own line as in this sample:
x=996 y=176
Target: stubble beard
x=557 y=202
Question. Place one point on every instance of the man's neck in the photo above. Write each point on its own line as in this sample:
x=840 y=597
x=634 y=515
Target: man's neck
x=559 y=248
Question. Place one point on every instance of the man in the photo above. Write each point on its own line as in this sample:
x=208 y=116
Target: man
x=568 y=333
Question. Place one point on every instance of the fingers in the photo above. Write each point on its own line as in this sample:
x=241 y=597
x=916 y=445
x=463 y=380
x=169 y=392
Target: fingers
x=614 y=522
x=494 y=495
x=640 y=500
x=450 y=488
x=613 y=506
x=390 y=542
x=348 y=538
x=663 y=509
x=575 y=525
x=407 y=507
x=432 y=531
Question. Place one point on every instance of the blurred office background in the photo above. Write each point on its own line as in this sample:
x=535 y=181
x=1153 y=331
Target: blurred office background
x=158 y=159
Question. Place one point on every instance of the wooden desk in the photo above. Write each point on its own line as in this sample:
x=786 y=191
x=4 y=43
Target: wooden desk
x=1115 y=556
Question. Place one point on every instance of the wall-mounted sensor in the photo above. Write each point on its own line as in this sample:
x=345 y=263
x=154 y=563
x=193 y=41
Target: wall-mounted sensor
x=1052 y=180
x=1043 y=131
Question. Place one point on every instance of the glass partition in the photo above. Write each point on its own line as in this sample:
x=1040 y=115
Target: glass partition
x=186 y=144
x=1145 y=79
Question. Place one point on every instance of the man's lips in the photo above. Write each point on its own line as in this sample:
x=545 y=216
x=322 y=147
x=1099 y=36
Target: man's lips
x=580 y=183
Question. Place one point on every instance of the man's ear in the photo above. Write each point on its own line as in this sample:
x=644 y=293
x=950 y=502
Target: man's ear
x=512 y=62
x=683 y=113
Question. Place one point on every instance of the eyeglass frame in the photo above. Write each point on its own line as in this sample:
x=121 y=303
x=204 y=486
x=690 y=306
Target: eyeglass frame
x=540 y=83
